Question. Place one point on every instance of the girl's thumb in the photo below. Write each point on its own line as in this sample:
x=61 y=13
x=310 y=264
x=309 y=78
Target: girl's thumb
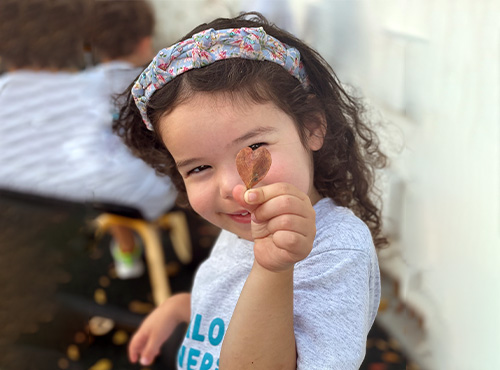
x=239 y=196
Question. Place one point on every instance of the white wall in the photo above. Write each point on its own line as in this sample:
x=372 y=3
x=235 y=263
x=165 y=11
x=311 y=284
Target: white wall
x=432 y=68
x=174 y=18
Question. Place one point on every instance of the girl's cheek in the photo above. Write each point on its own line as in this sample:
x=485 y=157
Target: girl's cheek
x=198 y=197
x=291 y=171
x=276 y=173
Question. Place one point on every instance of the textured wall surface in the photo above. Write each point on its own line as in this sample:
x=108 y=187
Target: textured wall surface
x=432 y=70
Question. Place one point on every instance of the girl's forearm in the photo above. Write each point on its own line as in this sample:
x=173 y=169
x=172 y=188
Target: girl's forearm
x=181 y=305
x=260 y=334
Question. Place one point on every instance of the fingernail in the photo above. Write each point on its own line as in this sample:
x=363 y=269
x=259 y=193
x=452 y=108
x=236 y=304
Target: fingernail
x=251 y=196
x=144 y=361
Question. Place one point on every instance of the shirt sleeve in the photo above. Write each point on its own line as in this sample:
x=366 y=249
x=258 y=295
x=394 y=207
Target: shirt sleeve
x=336 y=297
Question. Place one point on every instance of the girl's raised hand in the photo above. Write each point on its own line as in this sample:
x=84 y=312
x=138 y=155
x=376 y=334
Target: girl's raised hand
x=283 y=224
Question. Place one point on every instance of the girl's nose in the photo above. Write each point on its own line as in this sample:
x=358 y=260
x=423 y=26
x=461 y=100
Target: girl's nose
x=228 y=179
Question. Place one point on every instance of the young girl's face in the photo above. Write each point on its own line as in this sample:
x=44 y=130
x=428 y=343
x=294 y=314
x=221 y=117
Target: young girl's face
x=205 y=134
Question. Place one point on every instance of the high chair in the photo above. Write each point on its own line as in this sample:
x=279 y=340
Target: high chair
x=149 y=232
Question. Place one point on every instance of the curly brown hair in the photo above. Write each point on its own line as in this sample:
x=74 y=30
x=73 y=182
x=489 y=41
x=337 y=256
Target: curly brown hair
x=344 y=168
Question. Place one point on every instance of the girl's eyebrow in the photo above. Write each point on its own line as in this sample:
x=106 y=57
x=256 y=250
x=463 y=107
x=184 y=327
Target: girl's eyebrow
x=187 y=162
x=253 y=133
x=246 y=136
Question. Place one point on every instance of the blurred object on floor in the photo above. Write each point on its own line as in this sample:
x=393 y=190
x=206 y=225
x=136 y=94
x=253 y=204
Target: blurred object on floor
x=37 y=237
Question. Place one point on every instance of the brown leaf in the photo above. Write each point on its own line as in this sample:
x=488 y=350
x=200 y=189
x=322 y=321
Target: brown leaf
x=253 y=165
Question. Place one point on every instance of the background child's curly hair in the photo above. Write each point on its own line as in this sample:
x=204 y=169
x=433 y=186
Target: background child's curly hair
x=344 y=168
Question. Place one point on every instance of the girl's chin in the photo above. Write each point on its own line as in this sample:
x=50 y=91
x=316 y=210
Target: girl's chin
x=242 y=234
x=239 y=225
x=246 y=237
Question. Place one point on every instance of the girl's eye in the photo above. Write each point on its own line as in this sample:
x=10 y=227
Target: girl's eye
x=197 y=169
x=256 y=146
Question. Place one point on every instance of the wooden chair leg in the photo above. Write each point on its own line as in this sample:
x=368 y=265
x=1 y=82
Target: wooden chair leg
x=176 y=222
x=152 y=247
x=156 y=263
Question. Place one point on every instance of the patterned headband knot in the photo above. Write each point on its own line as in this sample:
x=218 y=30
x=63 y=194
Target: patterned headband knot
x=207 y=47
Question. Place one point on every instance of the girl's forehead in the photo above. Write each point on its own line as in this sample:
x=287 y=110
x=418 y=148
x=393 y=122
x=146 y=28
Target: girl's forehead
x=224 y=108
x=218 y=118
x=234 y=101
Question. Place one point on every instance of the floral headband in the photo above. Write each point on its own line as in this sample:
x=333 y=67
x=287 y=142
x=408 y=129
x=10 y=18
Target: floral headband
x=207 y=47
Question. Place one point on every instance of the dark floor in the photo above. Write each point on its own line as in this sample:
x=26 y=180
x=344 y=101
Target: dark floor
x=62 y=307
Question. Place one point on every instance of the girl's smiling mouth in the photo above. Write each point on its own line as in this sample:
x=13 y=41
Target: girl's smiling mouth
x=243 y=217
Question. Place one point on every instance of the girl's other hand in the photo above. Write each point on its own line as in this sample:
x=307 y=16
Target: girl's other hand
x=283 y=224
x=157 y=328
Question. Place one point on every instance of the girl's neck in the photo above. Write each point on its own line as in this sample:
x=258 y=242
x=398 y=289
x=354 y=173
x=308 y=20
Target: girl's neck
x=315 y=196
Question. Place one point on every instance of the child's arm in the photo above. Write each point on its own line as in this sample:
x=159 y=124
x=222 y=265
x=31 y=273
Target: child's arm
x=158 y=326
x=261 y=333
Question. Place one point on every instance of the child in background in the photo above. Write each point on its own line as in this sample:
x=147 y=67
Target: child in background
x=55 y=137
x=120 y=35
x=293 y=280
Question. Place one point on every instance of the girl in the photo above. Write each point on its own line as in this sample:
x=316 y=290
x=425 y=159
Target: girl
x=293 y=280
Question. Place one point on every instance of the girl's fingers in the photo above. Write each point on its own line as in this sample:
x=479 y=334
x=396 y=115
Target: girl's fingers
x=283 y=208
x=150 y=352
x=283 y=205
x=285 y=223
x=265 y=193
x=289 y=222
x=281 y=251
x=293 y=243
x=277 y=199
x=143 y=348
x=135 y=347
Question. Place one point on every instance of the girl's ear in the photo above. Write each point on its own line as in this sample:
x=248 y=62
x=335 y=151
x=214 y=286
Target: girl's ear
x=316 y=131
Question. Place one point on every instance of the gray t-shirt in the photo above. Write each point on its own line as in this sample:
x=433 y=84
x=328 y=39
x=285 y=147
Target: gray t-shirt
x=336 y=295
